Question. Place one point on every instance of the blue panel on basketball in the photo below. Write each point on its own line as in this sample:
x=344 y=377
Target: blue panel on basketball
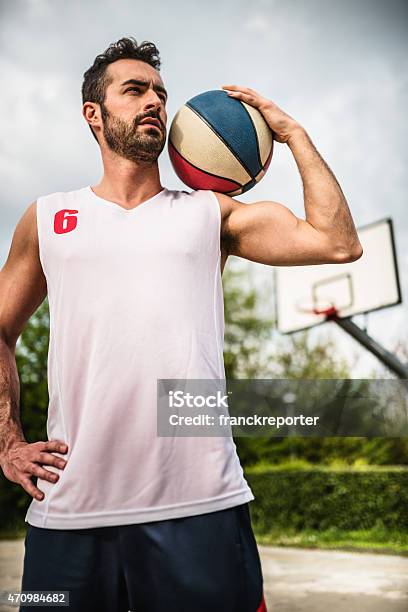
x=220 y=143
x=231 y=121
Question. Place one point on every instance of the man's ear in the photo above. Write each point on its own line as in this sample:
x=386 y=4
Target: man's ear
x=92 y=114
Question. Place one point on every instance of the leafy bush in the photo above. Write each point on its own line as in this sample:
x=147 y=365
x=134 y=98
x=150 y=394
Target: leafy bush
x=302 y=497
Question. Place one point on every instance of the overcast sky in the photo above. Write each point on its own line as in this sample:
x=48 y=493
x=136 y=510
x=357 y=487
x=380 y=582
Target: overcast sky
x=339 y=68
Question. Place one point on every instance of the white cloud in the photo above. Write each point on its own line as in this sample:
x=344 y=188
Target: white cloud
x=257 y=23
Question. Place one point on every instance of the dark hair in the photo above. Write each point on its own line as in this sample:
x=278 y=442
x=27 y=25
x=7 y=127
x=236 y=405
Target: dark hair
x=95 y=78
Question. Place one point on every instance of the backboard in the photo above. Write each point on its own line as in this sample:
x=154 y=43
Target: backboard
x=370 y=283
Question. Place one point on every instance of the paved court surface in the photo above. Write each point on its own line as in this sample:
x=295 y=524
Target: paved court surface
x=295 y=580
x=326 y=581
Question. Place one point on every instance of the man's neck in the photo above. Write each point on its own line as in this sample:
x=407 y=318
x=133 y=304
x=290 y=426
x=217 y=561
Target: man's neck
x=128 y=183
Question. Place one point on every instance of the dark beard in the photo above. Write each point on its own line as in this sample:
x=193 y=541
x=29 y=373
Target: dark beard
x=128 y=141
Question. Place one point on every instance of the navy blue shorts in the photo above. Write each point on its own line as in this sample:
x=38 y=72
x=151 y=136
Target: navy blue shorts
x=204 y=563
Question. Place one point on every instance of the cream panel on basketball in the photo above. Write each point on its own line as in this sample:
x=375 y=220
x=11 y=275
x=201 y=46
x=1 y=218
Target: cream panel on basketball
x=203 y=148
x=265 y=138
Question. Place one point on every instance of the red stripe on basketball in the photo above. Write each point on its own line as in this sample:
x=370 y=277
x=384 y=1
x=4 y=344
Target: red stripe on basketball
x=199 y=179
x=262 y=607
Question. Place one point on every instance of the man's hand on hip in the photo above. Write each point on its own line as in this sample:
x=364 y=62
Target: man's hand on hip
x=23 y=460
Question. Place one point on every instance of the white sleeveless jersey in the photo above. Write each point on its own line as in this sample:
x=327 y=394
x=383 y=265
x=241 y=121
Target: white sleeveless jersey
x=134 y=295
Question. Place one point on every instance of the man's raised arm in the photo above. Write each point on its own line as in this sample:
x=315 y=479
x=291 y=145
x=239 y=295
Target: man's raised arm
x=268 y=232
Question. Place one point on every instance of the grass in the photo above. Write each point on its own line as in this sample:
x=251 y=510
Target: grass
x=374 y=540
x=297 y=465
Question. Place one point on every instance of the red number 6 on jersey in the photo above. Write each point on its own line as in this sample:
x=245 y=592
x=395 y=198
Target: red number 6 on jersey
x=64 y=221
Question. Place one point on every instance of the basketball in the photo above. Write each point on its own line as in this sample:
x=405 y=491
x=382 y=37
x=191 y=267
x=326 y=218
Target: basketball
x=217 y=142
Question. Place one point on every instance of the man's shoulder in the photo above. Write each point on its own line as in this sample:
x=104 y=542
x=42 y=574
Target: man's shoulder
x=62 y=194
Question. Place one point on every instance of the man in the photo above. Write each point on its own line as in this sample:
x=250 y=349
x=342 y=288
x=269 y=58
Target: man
x=121 y=517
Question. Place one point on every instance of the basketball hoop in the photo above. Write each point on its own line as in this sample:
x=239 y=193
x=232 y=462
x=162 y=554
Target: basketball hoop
x=321 y=307
x=329 y=312
x=310 y=295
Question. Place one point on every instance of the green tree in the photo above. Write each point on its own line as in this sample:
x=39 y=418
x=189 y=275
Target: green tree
x=31 y=358
x=246 y=332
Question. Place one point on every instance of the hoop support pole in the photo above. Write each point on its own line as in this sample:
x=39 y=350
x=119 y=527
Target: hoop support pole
x=386 y=357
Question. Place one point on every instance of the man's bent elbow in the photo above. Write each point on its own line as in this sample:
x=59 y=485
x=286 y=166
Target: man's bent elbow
x=349 y=255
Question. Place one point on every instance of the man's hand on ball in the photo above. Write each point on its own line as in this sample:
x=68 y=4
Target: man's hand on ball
x=282 y=124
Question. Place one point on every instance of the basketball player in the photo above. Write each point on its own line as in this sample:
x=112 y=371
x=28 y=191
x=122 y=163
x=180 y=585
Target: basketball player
x=122 y=518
